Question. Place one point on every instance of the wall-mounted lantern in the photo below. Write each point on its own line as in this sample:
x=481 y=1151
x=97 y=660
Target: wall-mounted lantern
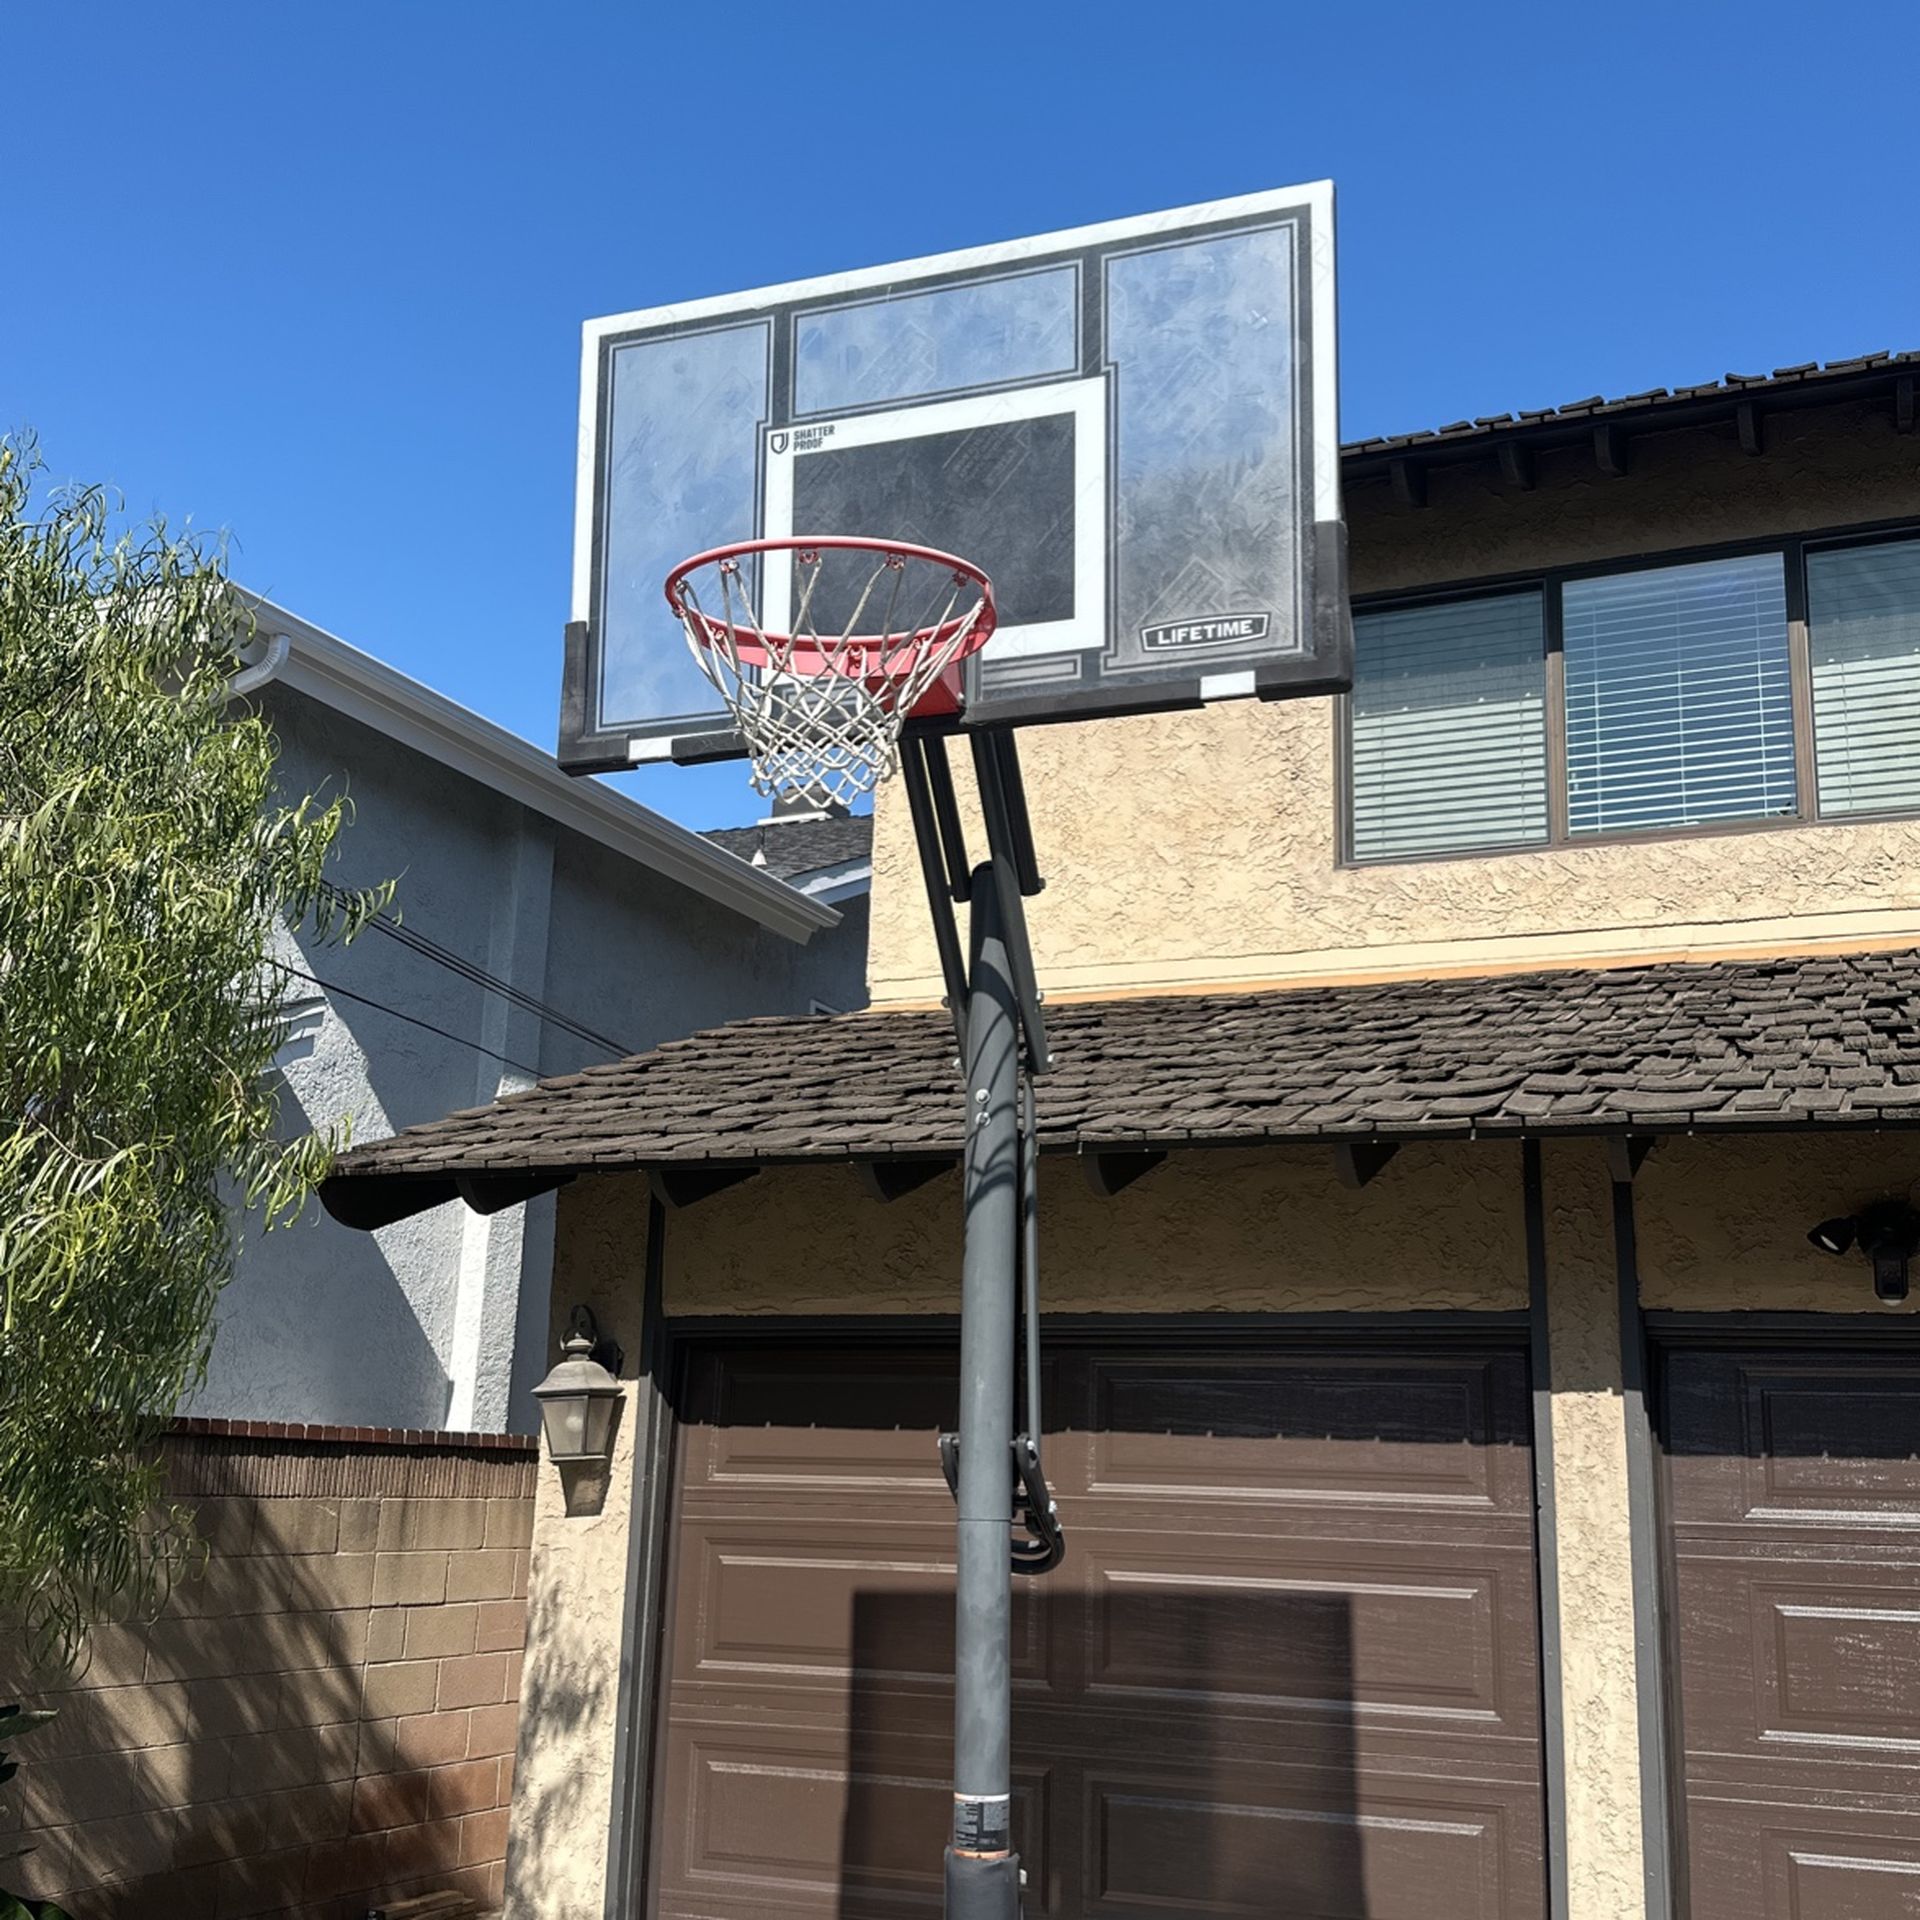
x=578 y=1397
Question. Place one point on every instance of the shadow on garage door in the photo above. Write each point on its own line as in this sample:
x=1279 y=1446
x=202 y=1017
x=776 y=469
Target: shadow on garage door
x=1290 y=1665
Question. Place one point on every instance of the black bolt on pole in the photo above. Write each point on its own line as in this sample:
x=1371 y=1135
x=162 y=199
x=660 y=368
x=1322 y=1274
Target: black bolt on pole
x=983 y=1872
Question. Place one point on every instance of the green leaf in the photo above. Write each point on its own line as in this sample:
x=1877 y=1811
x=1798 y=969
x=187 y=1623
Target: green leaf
x=12 y=1907
x=152 y=872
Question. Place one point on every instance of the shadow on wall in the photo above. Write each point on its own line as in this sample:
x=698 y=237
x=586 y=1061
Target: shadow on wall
x=559 y=1697
x=1151 y=1771
x=315 y=1723
x=318 y=1324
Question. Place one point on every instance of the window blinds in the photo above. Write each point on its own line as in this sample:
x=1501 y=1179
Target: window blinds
x=1863 y=632
x=1679 y=696
x=1449 y=740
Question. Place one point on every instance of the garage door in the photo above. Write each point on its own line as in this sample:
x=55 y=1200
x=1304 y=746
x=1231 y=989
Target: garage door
x=1290 y=1665
x=1793 y=1514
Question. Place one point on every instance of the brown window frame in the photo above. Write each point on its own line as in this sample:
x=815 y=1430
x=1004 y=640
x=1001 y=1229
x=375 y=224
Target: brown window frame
x=1549 y=582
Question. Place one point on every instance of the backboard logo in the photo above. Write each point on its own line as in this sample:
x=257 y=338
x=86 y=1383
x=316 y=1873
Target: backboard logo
x=799 y=439
x=1212 y=630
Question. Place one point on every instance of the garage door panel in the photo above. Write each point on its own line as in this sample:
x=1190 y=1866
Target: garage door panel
x=1766 y=1437
x=1762 y=1860
x=1793 y=1513
x=1833 y=1660
x=811 y=1601
x=767 y=1816
x=856 y=1423
x=1251 y=1841
x=1372 y=1629
x=1342 y=1427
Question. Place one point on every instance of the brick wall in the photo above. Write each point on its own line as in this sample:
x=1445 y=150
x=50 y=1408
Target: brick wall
x=324 y=1717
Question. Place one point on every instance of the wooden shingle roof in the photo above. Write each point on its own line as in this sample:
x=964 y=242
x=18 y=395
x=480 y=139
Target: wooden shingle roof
x=1811 y=1043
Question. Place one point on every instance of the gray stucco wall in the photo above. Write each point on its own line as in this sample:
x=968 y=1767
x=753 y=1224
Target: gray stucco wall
x=441 y=1321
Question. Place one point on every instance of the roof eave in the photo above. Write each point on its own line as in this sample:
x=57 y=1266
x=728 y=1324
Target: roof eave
x=340 y=676
x=1660 y=412
x=378 y=1196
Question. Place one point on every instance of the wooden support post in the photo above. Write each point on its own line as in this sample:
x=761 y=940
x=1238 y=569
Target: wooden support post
x=1626 y=1153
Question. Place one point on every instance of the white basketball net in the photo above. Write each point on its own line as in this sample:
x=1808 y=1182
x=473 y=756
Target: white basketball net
x=821 y=708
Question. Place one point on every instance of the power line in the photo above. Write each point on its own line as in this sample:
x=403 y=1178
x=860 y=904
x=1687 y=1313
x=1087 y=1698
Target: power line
x=431 y=949
x=412 y=1020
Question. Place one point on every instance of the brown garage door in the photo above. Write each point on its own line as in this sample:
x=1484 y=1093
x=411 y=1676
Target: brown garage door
x=1289 y=1667
x=1793 y=1509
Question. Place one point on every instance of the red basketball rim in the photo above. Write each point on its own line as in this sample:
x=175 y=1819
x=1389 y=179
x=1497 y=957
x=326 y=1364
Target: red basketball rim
x=804 y=656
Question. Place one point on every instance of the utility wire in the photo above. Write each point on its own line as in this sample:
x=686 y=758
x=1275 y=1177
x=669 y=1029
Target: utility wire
x=412 y=1020
x=430 y=949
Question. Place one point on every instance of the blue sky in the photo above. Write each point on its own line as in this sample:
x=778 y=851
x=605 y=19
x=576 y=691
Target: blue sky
x=316 y=274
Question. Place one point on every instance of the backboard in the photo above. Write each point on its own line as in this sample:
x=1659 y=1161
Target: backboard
x=1132 y=427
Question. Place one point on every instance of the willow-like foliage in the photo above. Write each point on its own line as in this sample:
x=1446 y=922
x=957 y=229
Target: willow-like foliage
x=146 y=860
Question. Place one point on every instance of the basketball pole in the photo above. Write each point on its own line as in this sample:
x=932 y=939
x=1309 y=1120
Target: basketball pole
x=982 y=1872
x=996 y=1476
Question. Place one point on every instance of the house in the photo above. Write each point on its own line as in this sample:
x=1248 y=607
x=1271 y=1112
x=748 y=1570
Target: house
x=1482 y=1496
x=540 y=924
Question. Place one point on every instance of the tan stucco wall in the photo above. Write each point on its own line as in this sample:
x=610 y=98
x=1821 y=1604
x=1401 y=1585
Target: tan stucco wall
x=563 y=1782
x=1722 y=1224
x=1196 y=848
x=1823 y=468
x=1266 y=1230
x=1594 y=1545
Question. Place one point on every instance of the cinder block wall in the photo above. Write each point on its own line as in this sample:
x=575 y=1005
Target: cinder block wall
x=325 y=1717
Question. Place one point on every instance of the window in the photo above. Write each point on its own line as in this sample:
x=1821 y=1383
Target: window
x=1449 y=736
x=1648 y=699
x=1679 y=696
x=1863 y=641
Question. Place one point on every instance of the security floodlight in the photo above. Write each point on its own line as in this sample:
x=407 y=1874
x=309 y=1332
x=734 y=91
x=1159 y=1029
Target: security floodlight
x=1835 y=1235
x=1887 y=1232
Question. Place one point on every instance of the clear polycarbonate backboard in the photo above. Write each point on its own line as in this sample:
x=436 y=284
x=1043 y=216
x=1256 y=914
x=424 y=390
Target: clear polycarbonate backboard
x=1132 y=427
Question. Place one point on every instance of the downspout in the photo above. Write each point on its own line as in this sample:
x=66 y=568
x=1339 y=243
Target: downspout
x=264 y=669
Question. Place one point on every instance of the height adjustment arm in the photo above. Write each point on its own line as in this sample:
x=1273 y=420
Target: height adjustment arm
x=1044 y=1543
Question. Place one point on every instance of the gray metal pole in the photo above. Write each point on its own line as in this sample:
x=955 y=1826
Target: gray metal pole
x=983 y=1873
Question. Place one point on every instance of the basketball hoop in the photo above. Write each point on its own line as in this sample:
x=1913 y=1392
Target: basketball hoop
x=876 y=634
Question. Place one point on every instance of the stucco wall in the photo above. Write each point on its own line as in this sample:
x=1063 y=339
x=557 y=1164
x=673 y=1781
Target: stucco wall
x=1598 y=1662
x=563 y=1786
x=448 y=1310
x=1722 y=1224
x=1823 y=467
x=1268 y=1230
x=282 y=1350
x=1201 y=847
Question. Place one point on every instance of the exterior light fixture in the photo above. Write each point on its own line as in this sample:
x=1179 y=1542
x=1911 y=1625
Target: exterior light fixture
x=578 y=1397
x=1888 y=1233
x=1833 y=1236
